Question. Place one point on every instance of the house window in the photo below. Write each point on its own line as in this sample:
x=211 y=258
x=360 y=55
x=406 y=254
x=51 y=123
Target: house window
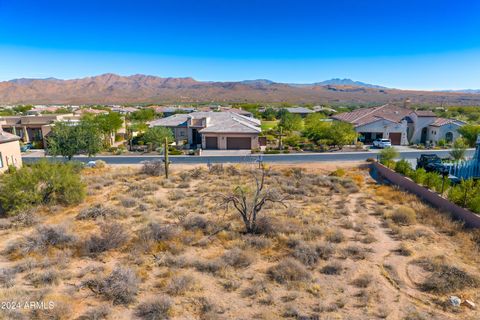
x=1 y=160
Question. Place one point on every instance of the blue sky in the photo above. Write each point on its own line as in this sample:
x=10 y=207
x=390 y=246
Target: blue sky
x=417 y=44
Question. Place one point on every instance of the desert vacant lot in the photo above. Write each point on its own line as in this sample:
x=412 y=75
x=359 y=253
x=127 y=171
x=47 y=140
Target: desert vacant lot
x=140 y=246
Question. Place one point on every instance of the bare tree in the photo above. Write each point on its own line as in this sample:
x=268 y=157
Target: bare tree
x=249 y=204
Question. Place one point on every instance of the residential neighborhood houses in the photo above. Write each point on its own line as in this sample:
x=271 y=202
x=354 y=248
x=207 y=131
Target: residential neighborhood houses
x=401 y=125
x=213 y=130
x=9 y=151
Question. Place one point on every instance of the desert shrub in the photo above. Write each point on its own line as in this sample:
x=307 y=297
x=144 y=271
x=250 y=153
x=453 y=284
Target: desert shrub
x=7 y=277
x=258 y=242
x=404 y=250
x=445 y=279
x=404 y=215
x=403 y=167
x=362 y=281
x=310 y=254
x=195 y=221
x=158 y=308
x=176 y=195
x=153 y=168
x=24 y=218
x=96 y=313
x=418 y=175
x=335 y=236
x=338 y=172
x=178 y=285
x=215 y=169
x=44 y=278
x=433 y=181
x=333 y=268
x=120 y=286
x=41 y=183
x=237 y=258
x=128 y=202
x=288 y=270
x=157 y=232
x=97 y=211
x=211 y=266
x=255 y=289
x=355 y=252
x=387 y=155
x=45 y=237
x=112 y=235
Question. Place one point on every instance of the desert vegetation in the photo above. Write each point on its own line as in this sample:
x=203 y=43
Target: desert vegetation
x=330 y=244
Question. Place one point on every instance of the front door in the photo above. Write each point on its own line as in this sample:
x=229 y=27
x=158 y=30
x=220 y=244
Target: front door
x=423 y=138
x=396 y=138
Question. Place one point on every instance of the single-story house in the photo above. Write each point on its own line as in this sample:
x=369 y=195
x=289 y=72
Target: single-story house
x=401 y=125
x=301 y=111
x=34 y=128
x=213 y=130
x=9 y=151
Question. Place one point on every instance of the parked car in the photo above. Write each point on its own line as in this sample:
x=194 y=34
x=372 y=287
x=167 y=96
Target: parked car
x=382 y=143
x=26 y=147
x=432 y=163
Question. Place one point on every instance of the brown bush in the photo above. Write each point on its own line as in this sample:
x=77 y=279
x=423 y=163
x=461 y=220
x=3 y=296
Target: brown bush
x=310 y=254
x=120 y=286
x=237 y=258
x=97 y=313
x=404 y=215
x=288 y=270
x=155 y=309
x=112 y=235
x=97 y=211
x=178 y=285
x=362 y=281
x=334 y=268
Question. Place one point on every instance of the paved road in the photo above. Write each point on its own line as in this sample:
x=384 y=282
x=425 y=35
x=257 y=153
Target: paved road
x=410 y=155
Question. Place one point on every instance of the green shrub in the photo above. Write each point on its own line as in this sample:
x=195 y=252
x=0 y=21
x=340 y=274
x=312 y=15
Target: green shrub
x=338 y=173
x=418 y=175
x=466 y=194
x=41 y=183
x=403 y=167
x=387 y=155
x=433 y=181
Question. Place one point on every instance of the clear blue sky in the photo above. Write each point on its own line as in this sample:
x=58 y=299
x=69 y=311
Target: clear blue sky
x=418 y=44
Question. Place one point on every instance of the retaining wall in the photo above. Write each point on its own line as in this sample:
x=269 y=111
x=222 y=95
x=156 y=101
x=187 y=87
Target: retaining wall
x=470 y=219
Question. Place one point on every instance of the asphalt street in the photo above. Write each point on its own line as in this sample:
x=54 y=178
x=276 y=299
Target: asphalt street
x=410 y=155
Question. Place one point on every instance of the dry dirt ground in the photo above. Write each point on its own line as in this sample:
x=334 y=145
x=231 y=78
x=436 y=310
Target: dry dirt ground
x=146 y=247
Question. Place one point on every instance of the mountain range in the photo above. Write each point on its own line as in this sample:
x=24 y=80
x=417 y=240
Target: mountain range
x=136 y=89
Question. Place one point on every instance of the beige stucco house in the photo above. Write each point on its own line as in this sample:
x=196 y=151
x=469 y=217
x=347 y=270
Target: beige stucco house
x=34 y=128
x=9 y=151
x=401 y=125
x=213 y=130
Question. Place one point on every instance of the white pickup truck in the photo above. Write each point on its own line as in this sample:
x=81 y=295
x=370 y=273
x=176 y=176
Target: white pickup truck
x=382 y=143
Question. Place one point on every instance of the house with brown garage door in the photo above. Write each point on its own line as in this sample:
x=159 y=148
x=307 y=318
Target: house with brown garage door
x=401 y=125
x=213 y=130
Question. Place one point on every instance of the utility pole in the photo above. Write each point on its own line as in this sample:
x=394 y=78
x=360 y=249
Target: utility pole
x=165 y=157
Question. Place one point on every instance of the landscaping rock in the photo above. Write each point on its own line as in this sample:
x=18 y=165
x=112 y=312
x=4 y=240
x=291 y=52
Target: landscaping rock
x=455 y=301
x=470 y=304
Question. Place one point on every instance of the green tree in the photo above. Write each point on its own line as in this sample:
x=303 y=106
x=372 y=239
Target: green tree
x=291 y=122
x=470 y=133
x=342 y=133
x=68 y=139
x=41 y=183
x=269 y=114
x=459 y=149
x=142 y=115
x=156 y=136
x=108 y=124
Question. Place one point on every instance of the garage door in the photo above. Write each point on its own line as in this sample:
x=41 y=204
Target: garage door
x=211 y=142
x=239 y=143
x=395 y=137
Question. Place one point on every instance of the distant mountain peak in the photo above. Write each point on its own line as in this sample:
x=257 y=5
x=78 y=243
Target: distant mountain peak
x=347 y=82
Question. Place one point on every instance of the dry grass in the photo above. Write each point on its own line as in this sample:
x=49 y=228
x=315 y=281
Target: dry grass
x=146 y=247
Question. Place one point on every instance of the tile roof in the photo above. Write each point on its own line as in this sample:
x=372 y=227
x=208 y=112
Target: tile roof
x=444 y=121
x=364 y=116
x=227 y=122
